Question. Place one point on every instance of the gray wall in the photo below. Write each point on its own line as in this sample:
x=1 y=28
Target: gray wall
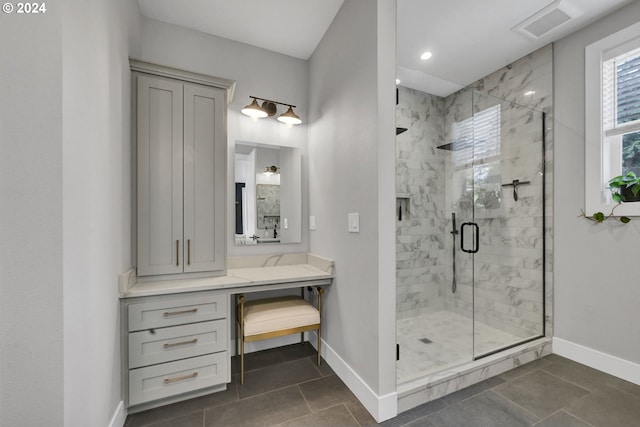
x=352 y=169
x=31 y=290
x=257 y=72
x=66 y=231
x=98 y=38
x=596 y=280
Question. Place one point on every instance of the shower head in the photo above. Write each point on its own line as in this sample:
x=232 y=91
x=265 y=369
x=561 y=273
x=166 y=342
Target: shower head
x=455 y=145
x=450 y=147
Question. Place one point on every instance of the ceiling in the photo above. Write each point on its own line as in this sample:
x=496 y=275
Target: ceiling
x=469 y=39
x=290 y=27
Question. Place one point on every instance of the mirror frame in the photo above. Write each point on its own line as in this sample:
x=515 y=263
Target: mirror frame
x=289 y=163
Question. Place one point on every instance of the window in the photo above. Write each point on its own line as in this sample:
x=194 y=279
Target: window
x=476 y=138
x=612 y=116
x=476 y=158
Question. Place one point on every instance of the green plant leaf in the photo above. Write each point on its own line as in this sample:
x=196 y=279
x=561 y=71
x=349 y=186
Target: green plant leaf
x=635 y=189
x=617 y=197
x=624 y=219
x=598 y=216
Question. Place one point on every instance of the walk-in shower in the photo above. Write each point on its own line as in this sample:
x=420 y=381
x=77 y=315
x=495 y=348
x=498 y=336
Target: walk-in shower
x=470 y=181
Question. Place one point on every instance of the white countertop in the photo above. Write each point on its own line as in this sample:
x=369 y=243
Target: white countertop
x=249 y=273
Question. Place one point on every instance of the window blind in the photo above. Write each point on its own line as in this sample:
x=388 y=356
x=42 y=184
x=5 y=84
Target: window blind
x=621 y=93
x=477 y=137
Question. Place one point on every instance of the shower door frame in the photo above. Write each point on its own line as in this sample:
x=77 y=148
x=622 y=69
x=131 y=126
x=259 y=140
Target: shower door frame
x=544 y=251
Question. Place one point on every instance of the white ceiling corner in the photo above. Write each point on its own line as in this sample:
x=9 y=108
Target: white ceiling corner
x=469 y=39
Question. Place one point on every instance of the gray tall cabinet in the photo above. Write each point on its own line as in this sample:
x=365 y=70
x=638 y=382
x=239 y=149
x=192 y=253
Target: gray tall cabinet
x=181 y=172
x=175 y=346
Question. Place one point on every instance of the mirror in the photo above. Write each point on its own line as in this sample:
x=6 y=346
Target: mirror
x=268 y=194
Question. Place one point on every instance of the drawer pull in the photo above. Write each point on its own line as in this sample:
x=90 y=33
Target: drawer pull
x=182 y=378
x=176 y=344
x=177 y=313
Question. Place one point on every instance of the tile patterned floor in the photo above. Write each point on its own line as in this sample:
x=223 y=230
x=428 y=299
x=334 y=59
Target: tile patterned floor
x=452 y=342
x=284 y=388
x=549 y=392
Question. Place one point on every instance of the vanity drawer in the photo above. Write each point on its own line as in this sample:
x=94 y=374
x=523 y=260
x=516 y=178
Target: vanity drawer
x=173 y=378
x=177 y=311
x=176 y=342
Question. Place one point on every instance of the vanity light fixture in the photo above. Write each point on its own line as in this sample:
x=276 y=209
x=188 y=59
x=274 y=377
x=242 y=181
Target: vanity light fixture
x=270 y=170
x=426 y=55
x=254 y=110
x=269 y=109
x=289 y=118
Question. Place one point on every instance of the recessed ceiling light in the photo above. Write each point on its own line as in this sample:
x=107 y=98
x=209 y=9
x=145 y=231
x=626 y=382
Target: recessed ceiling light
x=531 y=92
x=397 y=81
x=426 y=55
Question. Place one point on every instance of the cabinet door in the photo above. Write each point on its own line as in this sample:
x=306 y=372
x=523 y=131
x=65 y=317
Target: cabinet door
x=205 y=161
x=160 y=164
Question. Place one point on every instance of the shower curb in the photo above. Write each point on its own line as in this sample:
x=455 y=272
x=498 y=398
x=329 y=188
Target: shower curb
x=434 y=386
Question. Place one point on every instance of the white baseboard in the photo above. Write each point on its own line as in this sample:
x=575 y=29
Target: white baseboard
x=381 y=407
x=612 y=365
x=119 y=416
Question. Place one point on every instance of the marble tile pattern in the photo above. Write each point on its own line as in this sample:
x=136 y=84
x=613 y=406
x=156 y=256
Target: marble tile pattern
x=422 y=265
x=268 y=207
x=450 y=380
x=452 y=343
x=508 y=269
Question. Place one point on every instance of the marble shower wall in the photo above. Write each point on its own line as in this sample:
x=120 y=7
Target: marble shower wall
x=508 y=268
x=422 y=264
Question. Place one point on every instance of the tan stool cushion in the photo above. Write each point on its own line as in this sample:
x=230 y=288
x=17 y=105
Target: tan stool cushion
x=275 y=314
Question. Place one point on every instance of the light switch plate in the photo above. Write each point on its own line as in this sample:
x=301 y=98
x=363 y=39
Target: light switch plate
x=354 y=223
x=312 y=222
x=285 y=223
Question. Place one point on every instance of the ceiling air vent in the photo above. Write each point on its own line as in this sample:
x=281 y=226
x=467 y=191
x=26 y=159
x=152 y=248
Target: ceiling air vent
x=545 y=20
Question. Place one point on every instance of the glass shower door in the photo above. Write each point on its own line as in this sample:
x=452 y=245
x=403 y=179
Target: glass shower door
x=505 y=238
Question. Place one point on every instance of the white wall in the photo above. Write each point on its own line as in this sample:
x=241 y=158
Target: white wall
x=31 y=291
x=352 y=169
x=597 y=289
x=98 y=38
x=258 y=72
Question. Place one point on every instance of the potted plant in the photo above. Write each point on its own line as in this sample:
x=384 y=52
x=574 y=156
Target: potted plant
x=625 y=188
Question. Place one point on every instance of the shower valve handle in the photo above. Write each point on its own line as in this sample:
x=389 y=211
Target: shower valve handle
x=476 y=240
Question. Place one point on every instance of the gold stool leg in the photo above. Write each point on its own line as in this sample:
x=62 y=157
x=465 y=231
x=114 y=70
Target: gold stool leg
x=302 y=333
x=320 y=292
x=235 y=324
x=241 y=300
x=242 y=361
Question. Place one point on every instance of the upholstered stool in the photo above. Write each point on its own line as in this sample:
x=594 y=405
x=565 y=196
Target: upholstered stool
x=274 y=317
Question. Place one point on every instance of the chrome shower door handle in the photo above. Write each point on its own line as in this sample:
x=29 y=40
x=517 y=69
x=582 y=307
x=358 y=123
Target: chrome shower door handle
x=476 y=239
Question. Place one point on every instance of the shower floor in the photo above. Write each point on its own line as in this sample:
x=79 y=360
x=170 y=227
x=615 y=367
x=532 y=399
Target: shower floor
x=451 y=343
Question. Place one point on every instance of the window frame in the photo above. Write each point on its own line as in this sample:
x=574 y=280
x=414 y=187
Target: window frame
x=600 y=150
